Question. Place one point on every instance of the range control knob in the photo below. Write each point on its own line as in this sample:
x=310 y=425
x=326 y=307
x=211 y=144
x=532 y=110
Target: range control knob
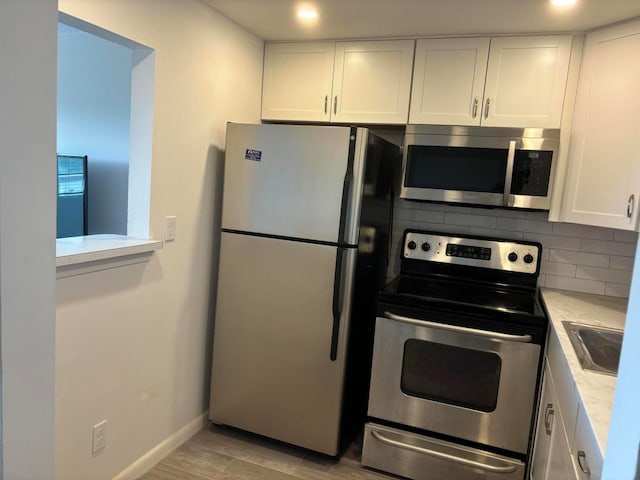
x=411 y=245
x=528 y=258
x=426 y=247
x=513 y=256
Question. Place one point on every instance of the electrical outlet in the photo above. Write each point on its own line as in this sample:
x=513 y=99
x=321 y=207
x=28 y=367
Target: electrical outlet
x=170 y=233
x=99 y=437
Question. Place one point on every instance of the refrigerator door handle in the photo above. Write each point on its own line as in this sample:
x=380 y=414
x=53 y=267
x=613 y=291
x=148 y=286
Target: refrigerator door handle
x=347 y=183
x=353 y=188
x=337 y=304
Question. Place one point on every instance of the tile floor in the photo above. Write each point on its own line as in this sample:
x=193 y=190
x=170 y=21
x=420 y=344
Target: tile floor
x=219 y=453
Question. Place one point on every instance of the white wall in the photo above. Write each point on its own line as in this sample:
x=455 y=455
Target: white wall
x=133 y=343
x=27 y=235
x=580 y=258
x=94 y=109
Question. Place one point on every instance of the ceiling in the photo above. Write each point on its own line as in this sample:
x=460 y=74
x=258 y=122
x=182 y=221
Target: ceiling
x=342 y=19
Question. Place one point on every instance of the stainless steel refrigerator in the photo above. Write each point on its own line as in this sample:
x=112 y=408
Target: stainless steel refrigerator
x=306 y=225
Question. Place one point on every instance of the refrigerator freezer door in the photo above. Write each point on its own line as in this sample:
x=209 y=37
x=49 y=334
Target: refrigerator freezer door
x=272 y=373
x=286 y=180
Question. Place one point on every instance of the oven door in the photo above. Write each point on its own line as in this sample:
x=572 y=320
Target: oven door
x=468 y=383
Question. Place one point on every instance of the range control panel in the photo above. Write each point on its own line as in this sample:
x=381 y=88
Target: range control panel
x=506 y=255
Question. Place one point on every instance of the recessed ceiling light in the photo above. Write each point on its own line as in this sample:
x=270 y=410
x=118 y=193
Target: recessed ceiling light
x=307 y=14
x=562 y=3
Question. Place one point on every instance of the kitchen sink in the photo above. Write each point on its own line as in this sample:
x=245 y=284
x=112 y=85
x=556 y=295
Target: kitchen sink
x=598 y=348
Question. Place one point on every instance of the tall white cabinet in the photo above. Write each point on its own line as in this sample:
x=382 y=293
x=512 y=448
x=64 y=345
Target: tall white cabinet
x=499 y=81
x=603 y=177
x=343 y=82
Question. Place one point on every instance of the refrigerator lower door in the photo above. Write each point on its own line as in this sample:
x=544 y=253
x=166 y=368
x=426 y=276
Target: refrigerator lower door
x=272 y=371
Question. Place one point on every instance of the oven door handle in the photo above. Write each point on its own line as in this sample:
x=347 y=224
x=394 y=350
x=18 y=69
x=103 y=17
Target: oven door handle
x=444 y=456
x=454 y=328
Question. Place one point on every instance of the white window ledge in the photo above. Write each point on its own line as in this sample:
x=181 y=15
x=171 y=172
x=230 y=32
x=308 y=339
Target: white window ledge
x=79 y=255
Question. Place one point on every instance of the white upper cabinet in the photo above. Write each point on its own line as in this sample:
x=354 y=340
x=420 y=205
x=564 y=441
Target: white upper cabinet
x=448 y=81
x=526 y=79
x=345 y=82
x=502 y=81
x=603 y=177
x=372 y=81
x=297 y=81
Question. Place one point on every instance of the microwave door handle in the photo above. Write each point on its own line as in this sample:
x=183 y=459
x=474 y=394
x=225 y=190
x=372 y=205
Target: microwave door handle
x=444 y=456
x=511 y=155
x=454 y=328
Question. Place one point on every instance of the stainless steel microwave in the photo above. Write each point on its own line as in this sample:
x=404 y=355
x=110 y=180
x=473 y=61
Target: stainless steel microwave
x=500 y=167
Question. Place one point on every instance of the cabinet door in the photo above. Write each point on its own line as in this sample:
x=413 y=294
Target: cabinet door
x=551 y=459
x=546 y=417
x=526 y=79
x=603 y=179
x=559 y=465
x=448 y=81
x=587 y=459
x=372 y=81
x=297 y=80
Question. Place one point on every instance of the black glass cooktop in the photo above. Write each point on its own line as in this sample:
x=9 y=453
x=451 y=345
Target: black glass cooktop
x=460 y=295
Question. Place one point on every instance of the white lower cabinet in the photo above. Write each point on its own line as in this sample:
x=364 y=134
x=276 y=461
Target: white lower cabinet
x=587 y=461
x=565 y=445
x=551 y=455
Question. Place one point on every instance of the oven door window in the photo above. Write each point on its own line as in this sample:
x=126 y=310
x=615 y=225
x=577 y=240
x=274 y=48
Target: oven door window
x=456 y=168
x=452 y=375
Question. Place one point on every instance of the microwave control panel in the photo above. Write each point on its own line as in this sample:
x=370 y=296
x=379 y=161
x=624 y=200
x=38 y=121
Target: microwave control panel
x=531 y=172
x=505 y=255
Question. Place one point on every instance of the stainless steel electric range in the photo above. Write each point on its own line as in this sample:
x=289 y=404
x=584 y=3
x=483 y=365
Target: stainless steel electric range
x=456 y=361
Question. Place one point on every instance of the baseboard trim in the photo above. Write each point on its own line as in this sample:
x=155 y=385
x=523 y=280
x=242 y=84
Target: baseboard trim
x=157 y=453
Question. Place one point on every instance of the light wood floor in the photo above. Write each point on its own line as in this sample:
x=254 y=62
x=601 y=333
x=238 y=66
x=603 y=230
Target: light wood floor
x=226 y=454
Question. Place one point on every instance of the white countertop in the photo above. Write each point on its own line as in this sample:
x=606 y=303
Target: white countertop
x=595 y=390
x=91 y=248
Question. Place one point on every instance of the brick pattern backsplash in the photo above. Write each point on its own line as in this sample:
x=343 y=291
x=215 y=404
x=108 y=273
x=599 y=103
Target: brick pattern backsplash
x=580 y=258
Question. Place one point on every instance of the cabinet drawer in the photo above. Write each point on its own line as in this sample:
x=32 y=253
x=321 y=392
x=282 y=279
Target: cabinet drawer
x=564 y=384
x=411 y=455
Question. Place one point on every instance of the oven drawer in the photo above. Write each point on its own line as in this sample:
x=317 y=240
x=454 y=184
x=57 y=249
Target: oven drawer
x=411 y=455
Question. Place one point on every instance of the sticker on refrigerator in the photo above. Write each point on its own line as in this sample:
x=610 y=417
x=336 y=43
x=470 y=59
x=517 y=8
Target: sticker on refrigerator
x=255 y=155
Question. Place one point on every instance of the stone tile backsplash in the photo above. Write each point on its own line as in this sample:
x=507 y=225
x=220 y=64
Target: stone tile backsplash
x=580 y=258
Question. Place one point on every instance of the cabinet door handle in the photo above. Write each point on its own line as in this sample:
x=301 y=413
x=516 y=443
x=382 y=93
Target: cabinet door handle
x=326 y=103
x=582 y=462
x=486 y=108
x=474 y=111
x=548 y=418
x=335 y=105
x=630 y=205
